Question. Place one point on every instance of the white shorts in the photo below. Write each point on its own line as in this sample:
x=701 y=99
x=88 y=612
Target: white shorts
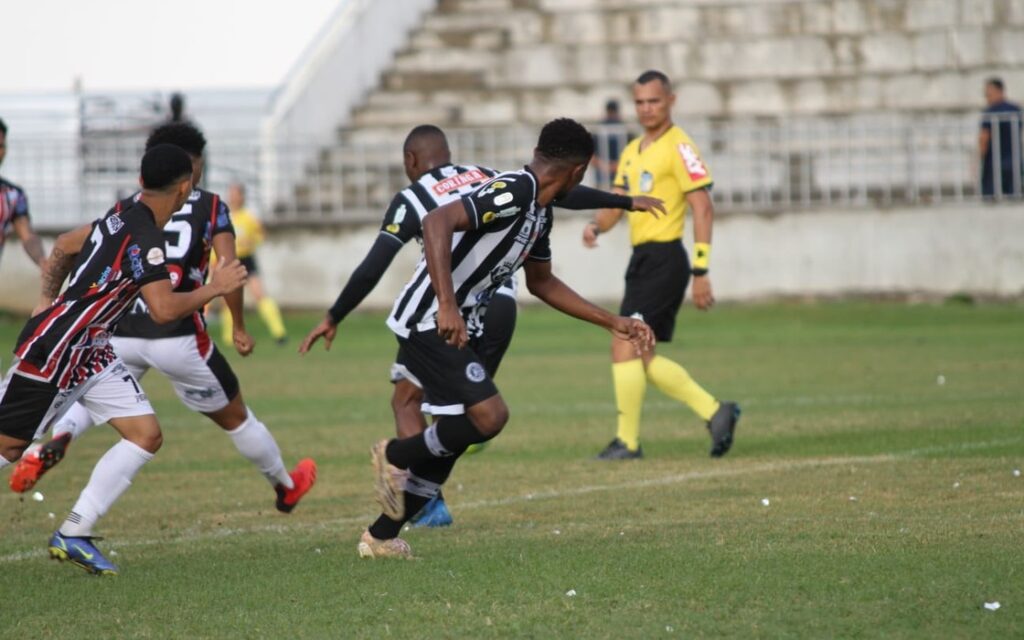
x=203 y=384
x=29 y=407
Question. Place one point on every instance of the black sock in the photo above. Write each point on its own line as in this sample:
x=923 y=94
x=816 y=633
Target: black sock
x=454 y=433
x=437 y=471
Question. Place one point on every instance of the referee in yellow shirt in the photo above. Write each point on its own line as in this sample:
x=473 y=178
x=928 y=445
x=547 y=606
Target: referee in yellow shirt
x=249 y=235
x=666 y=164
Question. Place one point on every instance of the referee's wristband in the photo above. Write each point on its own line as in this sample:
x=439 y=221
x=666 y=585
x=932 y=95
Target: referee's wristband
x=699 y=272
x=701 y=256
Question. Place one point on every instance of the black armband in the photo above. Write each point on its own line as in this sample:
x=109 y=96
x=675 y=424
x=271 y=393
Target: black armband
x=365 y=277
x=581 y=198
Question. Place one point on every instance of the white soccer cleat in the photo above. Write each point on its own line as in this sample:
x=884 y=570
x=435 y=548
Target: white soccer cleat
x=389 y=482
x=370 y=547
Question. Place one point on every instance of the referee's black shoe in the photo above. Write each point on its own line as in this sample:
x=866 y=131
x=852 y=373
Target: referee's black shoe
x=617 y=450
x=722 y=425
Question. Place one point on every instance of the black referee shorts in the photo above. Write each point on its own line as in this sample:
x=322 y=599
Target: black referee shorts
x=452 y=378
x=656 y=281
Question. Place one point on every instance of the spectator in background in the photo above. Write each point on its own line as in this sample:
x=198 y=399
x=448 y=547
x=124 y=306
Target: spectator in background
x=249 y=234
x=999 y=143
x=177 y=105
x=14 y=212
x=608 y=143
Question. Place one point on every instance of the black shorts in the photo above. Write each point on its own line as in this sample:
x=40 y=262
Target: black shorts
x=249 y=262
x=24 y=405
x=452 y=379
x=656 y=281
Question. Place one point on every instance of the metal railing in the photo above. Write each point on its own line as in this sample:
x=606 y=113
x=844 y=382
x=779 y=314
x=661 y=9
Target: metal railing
x=769 y=165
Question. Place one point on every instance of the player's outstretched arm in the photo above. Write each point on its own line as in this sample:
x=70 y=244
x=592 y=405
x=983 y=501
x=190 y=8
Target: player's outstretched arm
x=57 y=267
x=166 y=305
x=30 y=241
x=545 y=285
x=438 y=227
x=224 y=245
x=703 y=216
x=363 y=280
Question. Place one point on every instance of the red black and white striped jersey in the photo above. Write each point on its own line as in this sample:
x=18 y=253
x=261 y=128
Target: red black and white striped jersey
x=13 y=204
x=70 y=341
x=188 y=238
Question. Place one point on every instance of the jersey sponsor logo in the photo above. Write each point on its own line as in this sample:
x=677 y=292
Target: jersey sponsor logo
x=193 y=197
x=691 y=160
x=223 y=220
x=504 y=198
x=646 y=182
x=135 y=257
x=458 y=181
x=114 y=224
x=102 y=280
x=392 y=228
x=475 y=372
x=155 y=256
x=94 y=338
x=497 y=185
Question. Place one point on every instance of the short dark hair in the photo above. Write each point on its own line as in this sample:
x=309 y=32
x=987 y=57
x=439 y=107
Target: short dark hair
x=164 y=165
x=651 y=75
x=421 y=132
x=565 y=140
x=181 y=134
x=3 y=127
x=996 y=82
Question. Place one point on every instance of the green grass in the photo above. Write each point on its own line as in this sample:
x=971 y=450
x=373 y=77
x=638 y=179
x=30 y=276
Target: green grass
x=845 y=430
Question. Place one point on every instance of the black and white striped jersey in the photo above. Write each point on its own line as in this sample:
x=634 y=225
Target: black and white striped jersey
x=508 y=227
x=447 y=183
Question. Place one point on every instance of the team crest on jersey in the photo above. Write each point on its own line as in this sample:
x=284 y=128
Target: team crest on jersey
x=475 y=372
x=94 y=338
x=392 y=228
x=114 y=224
x=646 y=182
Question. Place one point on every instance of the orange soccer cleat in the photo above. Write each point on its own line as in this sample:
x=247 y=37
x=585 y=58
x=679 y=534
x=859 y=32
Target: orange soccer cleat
x=303 y=477
x=36 y=461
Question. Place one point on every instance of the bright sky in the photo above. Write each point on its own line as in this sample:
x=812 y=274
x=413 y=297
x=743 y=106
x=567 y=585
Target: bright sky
x=172 y=44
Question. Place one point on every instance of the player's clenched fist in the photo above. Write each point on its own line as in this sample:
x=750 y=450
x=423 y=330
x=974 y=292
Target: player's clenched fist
x=228 y=277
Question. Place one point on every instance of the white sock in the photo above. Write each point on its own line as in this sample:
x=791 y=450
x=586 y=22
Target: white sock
x=111 y=477
x=254 y=441
x=4 y=462
x=75 y=422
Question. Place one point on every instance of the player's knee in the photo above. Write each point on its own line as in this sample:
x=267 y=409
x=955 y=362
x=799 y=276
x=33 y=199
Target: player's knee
x=490 y=418
x=150 y=441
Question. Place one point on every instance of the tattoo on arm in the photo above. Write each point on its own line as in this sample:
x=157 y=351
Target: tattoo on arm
x=58 y=268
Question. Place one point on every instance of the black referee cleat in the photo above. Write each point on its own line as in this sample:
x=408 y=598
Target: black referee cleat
x=617 y=450
x=722 y=425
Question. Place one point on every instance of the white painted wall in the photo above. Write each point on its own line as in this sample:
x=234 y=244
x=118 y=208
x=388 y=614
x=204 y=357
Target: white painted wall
x=974 y=248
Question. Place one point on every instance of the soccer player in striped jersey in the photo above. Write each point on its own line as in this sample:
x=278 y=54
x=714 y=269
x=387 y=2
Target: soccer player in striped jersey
x=472 y=246
x=183 y=350
x=14 y=212
x=63 y=354
x=434 y=181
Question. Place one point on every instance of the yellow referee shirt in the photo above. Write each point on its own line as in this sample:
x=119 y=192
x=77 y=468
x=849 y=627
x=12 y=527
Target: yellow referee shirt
x=669 y=168
x=248 y=232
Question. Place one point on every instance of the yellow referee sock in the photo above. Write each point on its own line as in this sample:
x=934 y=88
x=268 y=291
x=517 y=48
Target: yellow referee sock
x=674 y=381
x=227 y=332
x=630 y=384
x=272 y=318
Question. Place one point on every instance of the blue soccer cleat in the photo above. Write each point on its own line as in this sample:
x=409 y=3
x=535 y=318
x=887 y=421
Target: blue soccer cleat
x=434 y=514
x=83 y=552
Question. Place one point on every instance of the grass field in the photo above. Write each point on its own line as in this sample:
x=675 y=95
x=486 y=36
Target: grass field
x=893 y=507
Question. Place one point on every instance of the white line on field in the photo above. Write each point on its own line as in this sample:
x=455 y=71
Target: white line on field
x=679 y=478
